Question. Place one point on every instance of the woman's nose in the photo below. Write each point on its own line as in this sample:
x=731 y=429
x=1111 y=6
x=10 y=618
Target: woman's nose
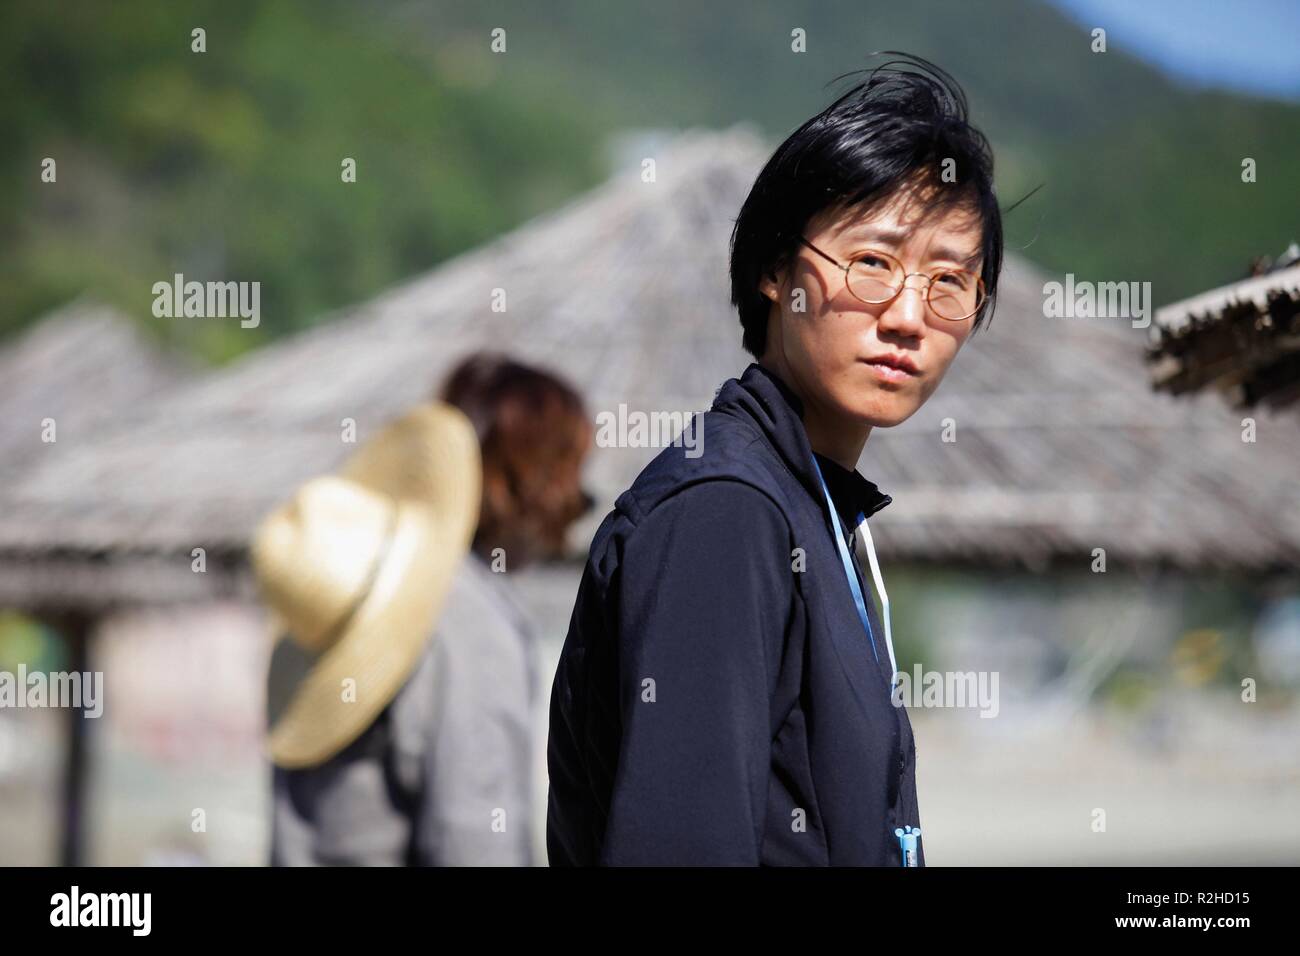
x=907 y=312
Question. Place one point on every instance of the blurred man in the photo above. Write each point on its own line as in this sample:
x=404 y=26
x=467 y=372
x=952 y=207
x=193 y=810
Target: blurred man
x=402 y=696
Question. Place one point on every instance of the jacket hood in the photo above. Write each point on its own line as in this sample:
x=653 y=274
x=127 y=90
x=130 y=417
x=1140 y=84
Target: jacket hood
x=763 y=400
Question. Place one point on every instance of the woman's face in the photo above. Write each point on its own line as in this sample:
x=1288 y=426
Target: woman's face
x=826 y=343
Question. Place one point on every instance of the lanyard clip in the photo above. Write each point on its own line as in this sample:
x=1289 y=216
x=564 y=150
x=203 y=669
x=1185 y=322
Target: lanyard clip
x=907 y=840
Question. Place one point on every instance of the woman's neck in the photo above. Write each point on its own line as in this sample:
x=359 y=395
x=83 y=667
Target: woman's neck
x=840 y=445
x=829 y=434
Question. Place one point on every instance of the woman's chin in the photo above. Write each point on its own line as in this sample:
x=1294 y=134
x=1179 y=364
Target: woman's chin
x=884 y=411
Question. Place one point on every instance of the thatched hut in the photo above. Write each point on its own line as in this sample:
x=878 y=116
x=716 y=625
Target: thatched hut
x=78 y=373
x=1242 y=339
x=80 y=369
x=1060 y=444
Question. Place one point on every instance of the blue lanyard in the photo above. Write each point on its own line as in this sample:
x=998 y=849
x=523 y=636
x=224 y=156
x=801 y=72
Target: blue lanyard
x=849 y=572
x=908 y=837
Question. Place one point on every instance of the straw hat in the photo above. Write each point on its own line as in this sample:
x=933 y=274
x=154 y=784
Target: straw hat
x=356 y=568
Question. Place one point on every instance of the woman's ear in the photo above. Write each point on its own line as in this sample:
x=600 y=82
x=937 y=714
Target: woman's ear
x=770 y=286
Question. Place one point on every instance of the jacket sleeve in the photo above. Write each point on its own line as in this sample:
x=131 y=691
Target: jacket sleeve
x=338 y=813
x=704 y=594
x=476 y=795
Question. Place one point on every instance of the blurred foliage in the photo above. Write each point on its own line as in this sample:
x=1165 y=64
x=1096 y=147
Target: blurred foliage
x=1201 y=635
x=1142 y=176
x=1199 y=657
x=23 y=640
x=226 y=164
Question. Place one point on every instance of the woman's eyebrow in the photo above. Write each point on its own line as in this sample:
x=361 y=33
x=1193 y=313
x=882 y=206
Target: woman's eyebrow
x=895 y=237
x=950 y=256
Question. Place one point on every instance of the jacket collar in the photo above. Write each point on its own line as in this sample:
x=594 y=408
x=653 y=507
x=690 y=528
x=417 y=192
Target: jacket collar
x=762 y=399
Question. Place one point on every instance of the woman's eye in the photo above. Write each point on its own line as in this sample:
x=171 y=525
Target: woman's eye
x=954 y=279
x=875 y=262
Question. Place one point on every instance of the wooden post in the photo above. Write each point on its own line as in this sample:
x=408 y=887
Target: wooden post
x=76 y=630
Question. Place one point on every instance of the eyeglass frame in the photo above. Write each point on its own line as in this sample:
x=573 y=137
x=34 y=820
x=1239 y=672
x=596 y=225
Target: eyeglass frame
x=903 y=284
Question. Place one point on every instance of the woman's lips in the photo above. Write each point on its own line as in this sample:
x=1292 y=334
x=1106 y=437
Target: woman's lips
x=888 y=373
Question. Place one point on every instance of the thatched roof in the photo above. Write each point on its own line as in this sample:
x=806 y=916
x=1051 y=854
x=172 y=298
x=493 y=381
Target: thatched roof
x=1242 y=339
x=1061 y=447
x=83 y=366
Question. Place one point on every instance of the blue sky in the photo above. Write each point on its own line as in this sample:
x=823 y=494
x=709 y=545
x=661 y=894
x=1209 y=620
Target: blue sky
x=1251 y=46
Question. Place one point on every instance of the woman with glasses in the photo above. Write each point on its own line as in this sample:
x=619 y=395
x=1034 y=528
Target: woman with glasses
x=725 y=692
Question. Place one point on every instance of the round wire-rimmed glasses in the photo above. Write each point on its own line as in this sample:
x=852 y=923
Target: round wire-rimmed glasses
x=877 y=277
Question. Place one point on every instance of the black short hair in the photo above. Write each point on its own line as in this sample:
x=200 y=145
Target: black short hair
x=895 y=127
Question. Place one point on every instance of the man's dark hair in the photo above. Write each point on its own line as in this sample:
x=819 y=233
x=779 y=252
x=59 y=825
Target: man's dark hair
x=533 y=433
x=894 y=129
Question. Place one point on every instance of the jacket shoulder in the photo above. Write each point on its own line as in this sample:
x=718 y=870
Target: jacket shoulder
x=725 y=451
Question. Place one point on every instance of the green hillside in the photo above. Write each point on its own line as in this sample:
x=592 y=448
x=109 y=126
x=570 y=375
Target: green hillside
x=226 y=163
x=1143 y=177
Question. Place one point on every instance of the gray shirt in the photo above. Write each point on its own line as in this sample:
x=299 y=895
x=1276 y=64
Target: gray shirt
x=443 y=776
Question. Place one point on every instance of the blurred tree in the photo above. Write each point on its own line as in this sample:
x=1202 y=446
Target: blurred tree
x=226 y=164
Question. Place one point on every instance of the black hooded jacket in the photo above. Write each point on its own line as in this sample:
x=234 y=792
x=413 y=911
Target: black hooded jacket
x=717 y=700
